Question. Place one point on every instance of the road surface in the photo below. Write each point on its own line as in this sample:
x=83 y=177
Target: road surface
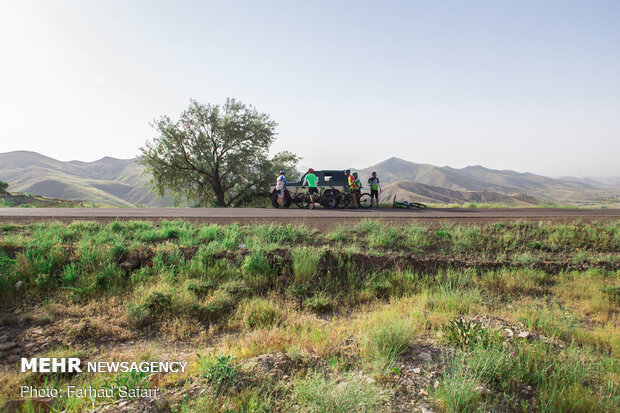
x=318 y=218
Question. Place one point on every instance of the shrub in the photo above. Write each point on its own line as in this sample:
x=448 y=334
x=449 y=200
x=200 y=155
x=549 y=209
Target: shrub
x=220 y=371
x=387 y=335
x=236 y=288
x=260 y=313
x=318 y=303
x=319 y=394
x=3 y=186
x=256 y=263
x=463 y=334
x=305 y=265
x=199 y=288
x=156 y=306
x=217 y=305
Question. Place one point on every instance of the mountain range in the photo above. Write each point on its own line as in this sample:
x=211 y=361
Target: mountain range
x=122 y=182
x=107 y=181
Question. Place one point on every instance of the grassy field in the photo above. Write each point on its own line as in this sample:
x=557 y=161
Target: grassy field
x=512 y=316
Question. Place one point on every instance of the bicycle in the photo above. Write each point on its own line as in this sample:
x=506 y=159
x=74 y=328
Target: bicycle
x=325 y=198
x=346 y=200
x=407 y=204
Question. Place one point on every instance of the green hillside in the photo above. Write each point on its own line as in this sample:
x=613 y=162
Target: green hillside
x=108 y=181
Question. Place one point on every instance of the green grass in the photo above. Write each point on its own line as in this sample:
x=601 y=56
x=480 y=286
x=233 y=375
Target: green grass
x=341 y=312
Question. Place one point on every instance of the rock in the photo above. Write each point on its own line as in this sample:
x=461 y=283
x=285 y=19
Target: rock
x=525 y=334
x=370 y=380
x=417 y=370
x=484 y=390
x=19 y=285
x=37 y=330
x=3 y=338
x=8 y=346
x=242 y=246
x=425 y=356
x=509 y=332
x=130 y=264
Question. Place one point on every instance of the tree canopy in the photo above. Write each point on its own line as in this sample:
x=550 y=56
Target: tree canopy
x=215 y=155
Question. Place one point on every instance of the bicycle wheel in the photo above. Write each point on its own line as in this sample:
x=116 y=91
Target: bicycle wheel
x=300 y=201
x=418 y=205
x=328 y=201
x=346 y=201
x=365 y=201
x=305 y=202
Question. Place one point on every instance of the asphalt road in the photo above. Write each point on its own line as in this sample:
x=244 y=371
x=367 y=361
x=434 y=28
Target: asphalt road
x=319 y=218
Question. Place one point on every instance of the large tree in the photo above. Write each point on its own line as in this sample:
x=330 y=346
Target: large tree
x=215 y=155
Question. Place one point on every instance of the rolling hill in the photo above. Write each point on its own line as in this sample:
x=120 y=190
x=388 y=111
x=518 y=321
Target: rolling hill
x=413 y=191
x=481 y=179
x=108 y=181
x=121 y=182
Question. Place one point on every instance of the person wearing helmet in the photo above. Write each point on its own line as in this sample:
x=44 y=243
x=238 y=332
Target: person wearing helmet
x=357 y=189
x=311 y=180
x=280 y=184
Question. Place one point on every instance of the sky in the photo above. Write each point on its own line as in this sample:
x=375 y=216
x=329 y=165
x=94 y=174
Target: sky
x=524 y=85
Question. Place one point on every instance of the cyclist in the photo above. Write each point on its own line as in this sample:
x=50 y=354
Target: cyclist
x=280 y=184
x=357 y=189
x=375 y=187
x=311 y=180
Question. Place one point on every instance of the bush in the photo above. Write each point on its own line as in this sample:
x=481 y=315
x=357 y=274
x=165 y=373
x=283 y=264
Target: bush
x=3 y=186
x=156 y=306
x=305 y=265
x=220 y=371
x=199 y=288
x=318 y=303
x=260 y=313
x=388 y=334
x=217 y=305
x=319 y=394
x=463 y=334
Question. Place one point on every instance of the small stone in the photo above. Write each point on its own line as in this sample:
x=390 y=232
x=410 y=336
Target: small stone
x=425 y=356
x=417 y=370
x=130 y=264
x=484 y=390
x=37 y=330
x=525 y=334
x=242 y=246
x=19 y=285
x=370 y=380
x=3 y=338
x=509 y=332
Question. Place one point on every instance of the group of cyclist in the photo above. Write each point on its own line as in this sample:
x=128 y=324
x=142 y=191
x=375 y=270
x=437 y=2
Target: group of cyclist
x=353 y=186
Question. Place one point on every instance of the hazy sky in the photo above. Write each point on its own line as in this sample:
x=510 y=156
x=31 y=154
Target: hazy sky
x=524 y=85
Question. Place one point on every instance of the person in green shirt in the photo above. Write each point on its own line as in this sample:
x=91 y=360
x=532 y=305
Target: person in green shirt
x=311 y=180
x=375 y=187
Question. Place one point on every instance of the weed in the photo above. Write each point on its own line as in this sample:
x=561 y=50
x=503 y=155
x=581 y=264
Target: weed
x=347 y=394
x=260 y=313
x=220 y=371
